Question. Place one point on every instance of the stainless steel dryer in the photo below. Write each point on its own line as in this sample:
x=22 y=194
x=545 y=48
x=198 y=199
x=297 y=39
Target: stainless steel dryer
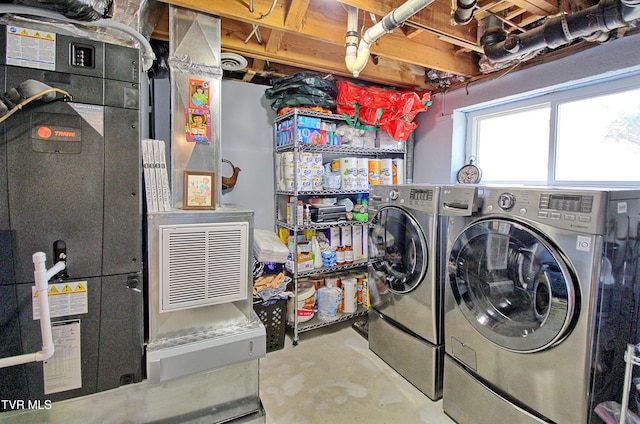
x=406 y=314
x=541 y=300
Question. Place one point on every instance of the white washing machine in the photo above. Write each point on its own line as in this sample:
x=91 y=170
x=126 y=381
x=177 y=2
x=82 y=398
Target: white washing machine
x=541 y=300
x=405 y=320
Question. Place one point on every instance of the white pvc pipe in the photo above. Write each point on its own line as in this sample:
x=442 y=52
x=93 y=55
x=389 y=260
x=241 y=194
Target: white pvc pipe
x=356 y=55
x=42 y=277
x=148 y=56
x=356 y=59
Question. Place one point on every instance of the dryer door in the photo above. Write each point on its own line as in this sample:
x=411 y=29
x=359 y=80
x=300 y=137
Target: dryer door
x=398 y=248
x=512 y=285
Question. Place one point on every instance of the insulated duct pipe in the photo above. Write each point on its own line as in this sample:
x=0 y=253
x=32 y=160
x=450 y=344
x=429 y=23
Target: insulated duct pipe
x=603 y=17
x=357 y=55
x=464 y=11
x=42 y=277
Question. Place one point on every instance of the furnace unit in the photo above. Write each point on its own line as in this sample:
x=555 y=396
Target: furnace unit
x=70 y=178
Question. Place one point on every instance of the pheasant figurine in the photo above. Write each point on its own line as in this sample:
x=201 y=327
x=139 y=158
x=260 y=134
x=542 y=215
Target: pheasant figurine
x=229 y=182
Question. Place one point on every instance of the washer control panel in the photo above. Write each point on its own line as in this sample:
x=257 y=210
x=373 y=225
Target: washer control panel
x=566 y=202
x=506 y=201
x=564 y=208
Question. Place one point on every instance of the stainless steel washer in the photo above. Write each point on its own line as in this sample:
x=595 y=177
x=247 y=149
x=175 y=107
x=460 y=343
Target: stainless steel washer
x=405 y=318
x=540 y=303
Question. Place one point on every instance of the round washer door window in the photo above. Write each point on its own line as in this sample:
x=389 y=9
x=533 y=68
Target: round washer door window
x=398 y=248
x=512 y=285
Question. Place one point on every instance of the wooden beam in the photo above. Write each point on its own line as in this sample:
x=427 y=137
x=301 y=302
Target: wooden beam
x=256 y=68
x=410 y=32
x=325 y=23
x=537 y=7
x=275 y=41
x=296 y=14
x=322 y=57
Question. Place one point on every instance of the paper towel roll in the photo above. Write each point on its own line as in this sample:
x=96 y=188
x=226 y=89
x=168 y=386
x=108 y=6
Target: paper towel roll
x=287 y=158
x=362 y=178
x=317 y=159
x=350 y=293
x=288 y=171
x=398 y=171
x=306 y=158
x=374 y=171
x=278 y=164
x=329 y=302
x=348 y=171
x=317 y=183
x=386 y=171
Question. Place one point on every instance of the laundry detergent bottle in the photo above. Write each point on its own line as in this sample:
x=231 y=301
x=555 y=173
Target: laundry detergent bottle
x=315 y=251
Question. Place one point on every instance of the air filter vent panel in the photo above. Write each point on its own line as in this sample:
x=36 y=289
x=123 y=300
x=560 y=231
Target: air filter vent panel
x=203 y=264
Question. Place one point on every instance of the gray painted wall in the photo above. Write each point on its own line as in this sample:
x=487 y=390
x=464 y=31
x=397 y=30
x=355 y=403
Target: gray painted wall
x=439 y=138
x=247 y=141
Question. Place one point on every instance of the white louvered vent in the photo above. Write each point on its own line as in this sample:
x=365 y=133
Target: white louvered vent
x=203 y=264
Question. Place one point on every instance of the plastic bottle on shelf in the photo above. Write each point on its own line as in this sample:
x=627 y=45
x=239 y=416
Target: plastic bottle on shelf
x=348 y=255
x=340 y=255
x=309 y=233
x=300 y=213
x=317 y=254
x=307 y=214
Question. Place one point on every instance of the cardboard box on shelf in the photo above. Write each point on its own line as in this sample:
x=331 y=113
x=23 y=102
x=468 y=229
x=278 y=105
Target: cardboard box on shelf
x=385 y=141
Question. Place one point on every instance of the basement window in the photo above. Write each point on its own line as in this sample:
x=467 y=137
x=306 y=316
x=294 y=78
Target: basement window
x=583 y=136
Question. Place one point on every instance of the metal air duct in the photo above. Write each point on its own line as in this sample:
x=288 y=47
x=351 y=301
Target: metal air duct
x=594 y=22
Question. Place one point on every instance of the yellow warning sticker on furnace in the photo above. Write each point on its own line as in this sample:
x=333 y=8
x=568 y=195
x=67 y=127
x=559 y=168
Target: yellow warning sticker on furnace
x=31 y=48
x=70 y=298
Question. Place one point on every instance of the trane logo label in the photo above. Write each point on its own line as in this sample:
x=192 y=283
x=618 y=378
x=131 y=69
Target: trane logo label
x=55 y=133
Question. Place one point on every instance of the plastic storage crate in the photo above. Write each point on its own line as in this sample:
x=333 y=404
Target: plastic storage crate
x=273 y=314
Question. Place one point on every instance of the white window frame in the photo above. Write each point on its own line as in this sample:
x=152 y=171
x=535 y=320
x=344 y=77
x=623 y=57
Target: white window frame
x=552 y=99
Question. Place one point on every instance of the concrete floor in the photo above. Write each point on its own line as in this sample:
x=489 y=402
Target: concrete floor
x=331 y=376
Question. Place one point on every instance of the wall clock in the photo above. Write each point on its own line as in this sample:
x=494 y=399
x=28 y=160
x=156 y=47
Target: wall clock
x=469 y=174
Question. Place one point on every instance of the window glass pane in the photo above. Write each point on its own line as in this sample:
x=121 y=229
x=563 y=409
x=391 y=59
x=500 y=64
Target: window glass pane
x=514 y=146
x=598 y=139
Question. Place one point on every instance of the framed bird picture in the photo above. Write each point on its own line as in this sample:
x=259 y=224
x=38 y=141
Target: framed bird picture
x=199 y=190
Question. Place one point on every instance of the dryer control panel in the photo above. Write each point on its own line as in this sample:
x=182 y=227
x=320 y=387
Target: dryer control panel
x=417 y=197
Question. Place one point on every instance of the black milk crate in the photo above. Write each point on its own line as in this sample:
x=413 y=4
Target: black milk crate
x=273 y=314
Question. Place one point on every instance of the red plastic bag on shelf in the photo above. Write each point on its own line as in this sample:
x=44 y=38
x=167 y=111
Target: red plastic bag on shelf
x=392 y=110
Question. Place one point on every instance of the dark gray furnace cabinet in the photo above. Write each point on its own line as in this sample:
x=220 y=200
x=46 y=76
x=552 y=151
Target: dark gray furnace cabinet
x=80 y=185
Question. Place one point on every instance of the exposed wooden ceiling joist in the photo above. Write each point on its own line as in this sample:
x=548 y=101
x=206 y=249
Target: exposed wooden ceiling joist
x=295 y=35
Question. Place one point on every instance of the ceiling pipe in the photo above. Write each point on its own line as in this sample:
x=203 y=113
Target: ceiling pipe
x=493 y=32
x=464 y=11
x=357 y=55
x=595 y=21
